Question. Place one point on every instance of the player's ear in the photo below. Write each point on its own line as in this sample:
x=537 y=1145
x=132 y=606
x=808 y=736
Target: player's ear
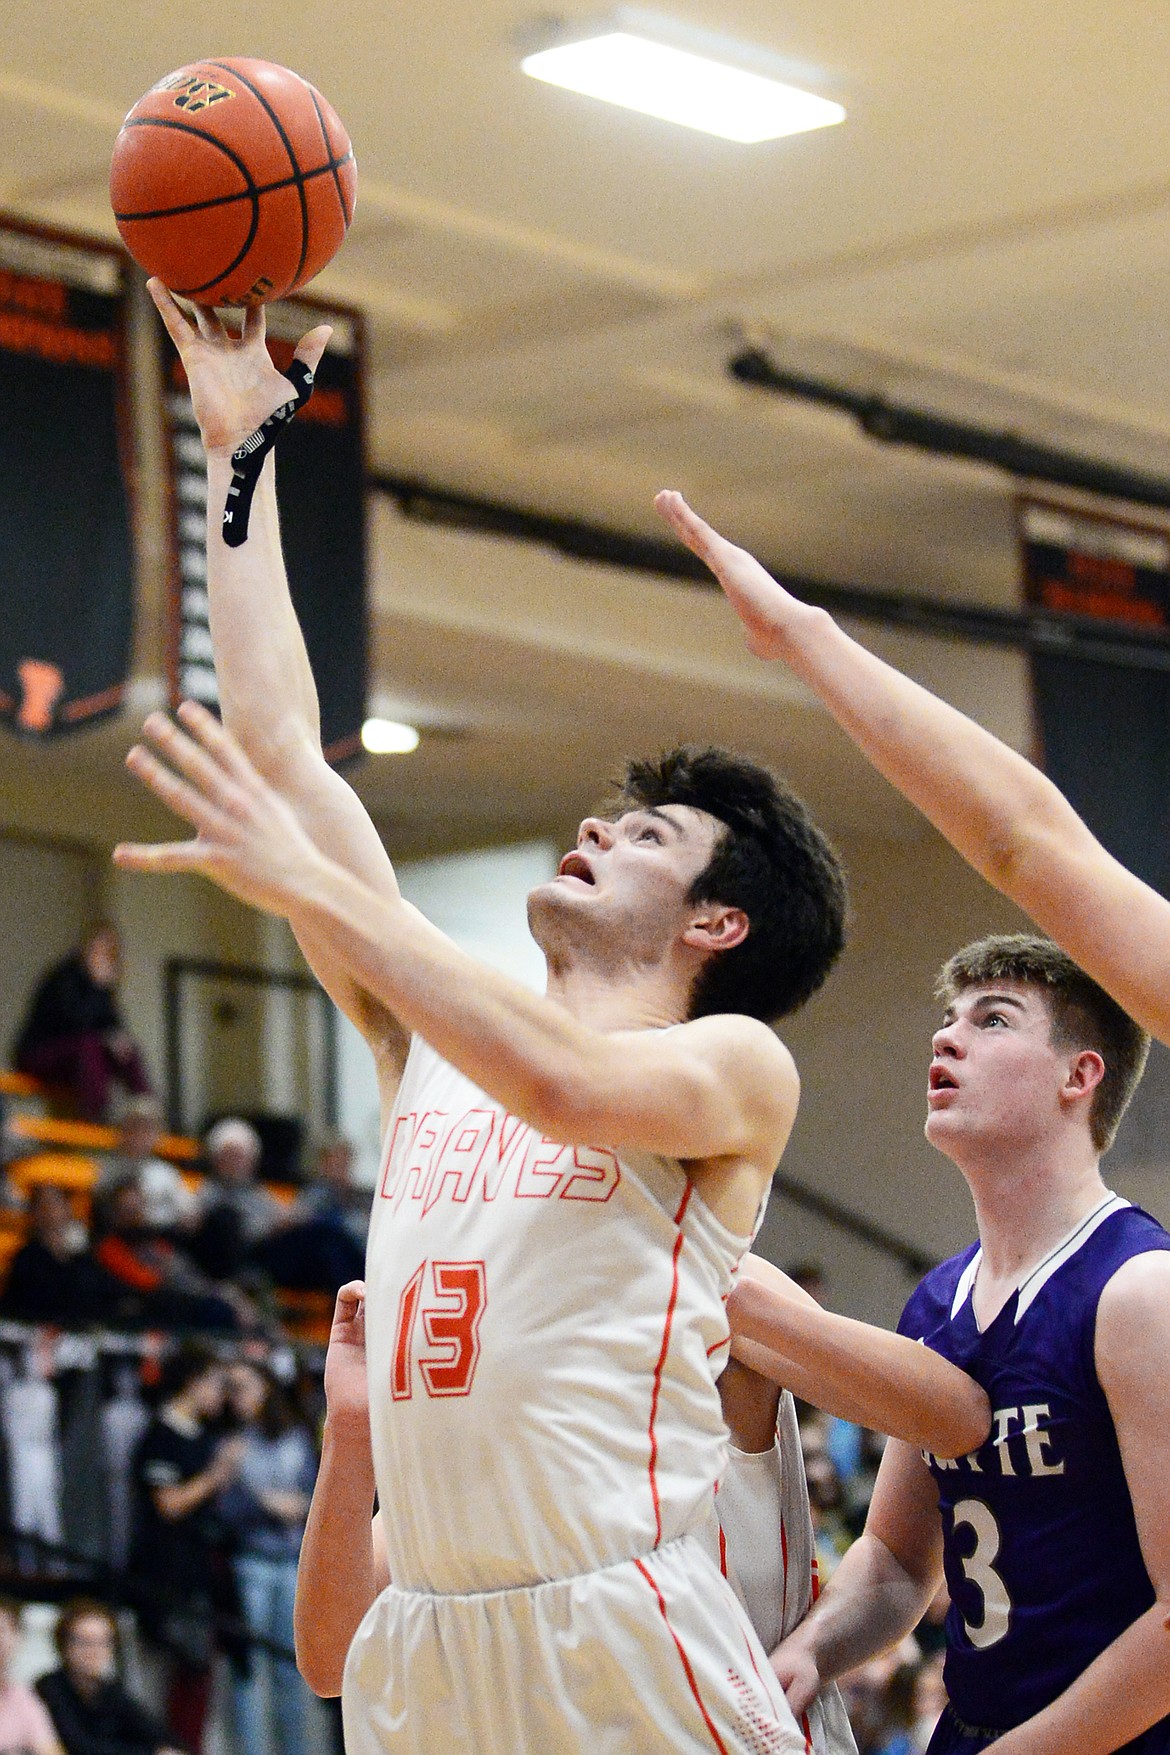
x=1085 y=1073
x=717 y=927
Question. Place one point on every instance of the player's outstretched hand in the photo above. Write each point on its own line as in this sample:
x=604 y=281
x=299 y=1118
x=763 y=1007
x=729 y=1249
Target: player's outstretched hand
x=797 y=1673
x=247 y=839
x=346 y=1385
x=234 y=384
x=764 y=607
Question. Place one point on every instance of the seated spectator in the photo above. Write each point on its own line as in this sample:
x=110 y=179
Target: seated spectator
x=91 y=1710
x=236 y=1214
x=170 y=1204
x=332 y=1195
x=265 y=1508
x=25 y=1726
x=74 y=1036
x=180 y=1467
x=50 y=1280
x=145 y=1278
x=244 y=1228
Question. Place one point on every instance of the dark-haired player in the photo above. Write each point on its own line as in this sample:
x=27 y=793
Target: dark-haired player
x=1056 y=1536
x=569 y=1183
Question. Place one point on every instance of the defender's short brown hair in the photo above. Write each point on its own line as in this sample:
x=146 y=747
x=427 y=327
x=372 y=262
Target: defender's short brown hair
x=1083 y=1015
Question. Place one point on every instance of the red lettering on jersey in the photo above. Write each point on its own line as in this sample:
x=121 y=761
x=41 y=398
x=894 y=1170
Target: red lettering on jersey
x=597 y=1175
x=539 y=1174
x=453 y=1325
x=420 y=1167
x=404 y=1331
x=405 y=1126
x=513 y=1136
x=460 y=1157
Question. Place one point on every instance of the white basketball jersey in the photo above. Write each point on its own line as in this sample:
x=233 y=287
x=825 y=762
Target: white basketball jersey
x=544 y=1328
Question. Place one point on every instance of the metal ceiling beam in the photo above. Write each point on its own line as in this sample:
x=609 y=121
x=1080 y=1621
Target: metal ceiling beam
x=1027 y=630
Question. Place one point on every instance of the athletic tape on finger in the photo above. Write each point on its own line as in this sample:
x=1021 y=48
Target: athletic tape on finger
x=248 y=458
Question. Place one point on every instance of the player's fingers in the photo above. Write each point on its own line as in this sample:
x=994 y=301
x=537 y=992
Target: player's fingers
x=349 y=1301
x=177 y=794
x=178 y=325
x=313 y=345
x=207 y=730
x=209 y=323
x=686 y=524
x=255 y=324
x=164 y=856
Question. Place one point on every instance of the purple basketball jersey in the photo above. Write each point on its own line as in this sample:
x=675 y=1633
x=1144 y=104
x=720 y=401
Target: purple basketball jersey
x=1041 y=1551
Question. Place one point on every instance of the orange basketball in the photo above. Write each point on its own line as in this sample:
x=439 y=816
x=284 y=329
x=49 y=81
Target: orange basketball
x=233 y=181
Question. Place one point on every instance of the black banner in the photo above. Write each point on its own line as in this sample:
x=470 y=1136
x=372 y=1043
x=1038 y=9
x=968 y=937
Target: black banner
x=1105 y=729
x=66 y=559
x=320 y=472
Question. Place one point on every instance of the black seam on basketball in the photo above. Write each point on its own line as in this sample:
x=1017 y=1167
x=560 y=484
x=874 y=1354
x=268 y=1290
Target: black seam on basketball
x=329 y=149
x=200 y=134
x=298 y=174
x=256 y=190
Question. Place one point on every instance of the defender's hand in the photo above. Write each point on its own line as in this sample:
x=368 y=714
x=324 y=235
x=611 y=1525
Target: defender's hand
x=797 y=1673
x=234 y=384
x=764 y=607
x=247 y=839
x=346 y=1385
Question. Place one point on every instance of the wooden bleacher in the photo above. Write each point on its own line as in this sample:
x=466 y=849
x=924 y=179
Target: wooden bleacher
x=68 y=1153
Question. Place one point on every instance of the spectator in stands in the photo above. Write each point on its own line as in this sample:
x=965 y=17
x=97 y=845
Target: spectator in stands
x=236 y=1212
x=73 y=1035
x=826 y=1498
x=181 y=1466
x=265 y=1507
x=49 y=1280
x=91 y=1710
x=25 y=1726
x=171 y=1207
x=146 y=1279
x=245 y=1229
x=332 y=1196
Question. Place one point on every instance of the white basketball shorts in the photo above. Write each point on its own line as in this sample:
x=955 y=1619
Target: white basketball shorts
x=651 y=1655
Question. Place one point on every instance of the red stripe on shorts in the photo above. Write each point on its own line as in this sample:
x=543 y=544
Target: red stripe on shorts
x=686 y=1662
x=658 y=1369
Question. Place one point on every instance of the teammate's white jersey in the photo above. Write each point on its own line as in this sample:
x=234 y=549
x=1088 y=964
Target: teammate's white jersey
x=544 y=1327
x=762 y=1538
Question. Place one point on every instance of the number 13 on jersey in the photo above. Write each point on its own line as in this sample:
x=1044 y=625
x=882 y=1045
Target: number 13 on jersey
x=449 y=1298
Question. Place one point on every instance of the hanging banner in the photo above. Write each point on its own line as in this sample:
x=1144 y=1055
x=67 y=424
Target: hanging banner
x=320 y=474
x=1104 y=729
x=66 y=557
x=1087 y=564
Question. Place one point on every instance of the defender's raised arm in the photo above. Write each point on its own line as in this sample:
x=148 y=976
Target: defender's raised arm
x=996 y=809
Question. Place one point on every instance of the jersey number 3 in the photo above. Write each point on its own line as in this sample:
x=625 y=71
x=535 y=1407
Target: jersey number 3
x=450 y=1309
x=977 y=1566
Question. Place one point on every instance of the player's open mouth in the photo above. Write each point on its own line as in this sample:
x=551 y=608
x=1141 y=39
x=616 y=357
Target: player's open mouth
x=575 y=865
x=941 y=1080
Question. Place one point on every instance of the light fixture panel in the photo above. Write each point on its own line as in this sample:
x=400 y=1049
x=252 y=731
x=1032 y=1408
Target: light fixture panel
x=623 y=67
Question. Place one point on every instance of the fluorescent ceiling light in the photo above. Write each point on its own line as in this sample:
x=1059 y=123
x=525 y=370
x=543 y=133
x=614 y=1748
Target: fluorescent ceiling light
x=677 y=85
x=386 y=737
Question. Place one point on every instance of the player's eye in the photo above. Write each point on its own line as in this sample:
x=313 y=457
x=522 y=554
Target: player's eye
x=648 y=832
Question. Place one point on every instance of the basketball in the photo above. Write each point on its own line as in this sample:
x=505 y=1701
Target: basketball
x=233 y=181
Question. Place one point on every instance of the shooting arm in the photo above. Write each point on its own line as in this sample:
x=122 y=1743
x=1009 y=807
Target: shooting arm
x=267 y=694
x=862 y=1373
x=1127 y=1688
x=1004 y=817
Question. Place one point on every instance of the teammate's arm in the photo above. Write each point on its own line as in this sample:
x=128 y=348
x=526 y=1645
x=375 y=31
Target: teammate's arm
x=342 y=1566
x=882 y=1587
x=267 y=694
x=1127 y=1688
x=996 y=809
x=716 y=1087
x=853 y=1369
